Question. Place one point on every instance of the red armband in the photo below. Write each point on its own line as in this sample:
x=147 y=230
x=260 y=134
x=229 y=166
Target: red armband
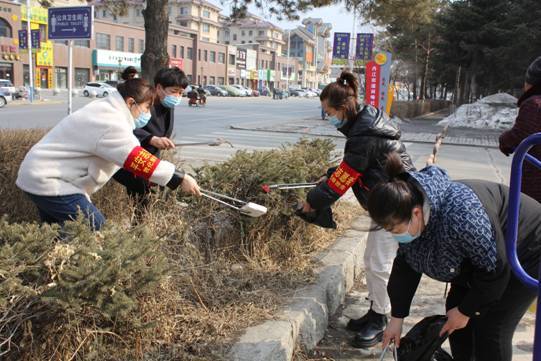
x=343 y=178
x=141 y=162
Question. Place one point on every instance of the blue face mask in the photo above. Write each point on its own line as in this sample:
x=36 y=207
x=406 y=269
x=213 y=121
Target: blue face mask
x=171 y=101
x=337 y=123
x=405 y=237
x=142 y=119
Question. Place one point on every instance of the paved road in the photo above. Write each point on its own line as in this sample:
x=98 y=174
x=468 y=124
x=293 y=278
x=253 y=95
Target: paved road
x=215 y=120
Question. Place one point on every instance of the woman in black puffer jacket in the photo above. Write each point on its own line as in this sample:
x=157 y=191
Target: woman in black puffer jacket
x=371 y=136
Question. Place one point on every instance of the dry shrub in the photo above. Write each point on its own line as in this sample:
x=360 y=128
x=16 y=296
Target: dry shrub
x=222 y=273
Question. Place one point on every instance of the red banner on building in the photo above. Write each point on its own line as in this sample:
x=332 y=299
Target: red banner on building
x=178 y=62
x=373 y=81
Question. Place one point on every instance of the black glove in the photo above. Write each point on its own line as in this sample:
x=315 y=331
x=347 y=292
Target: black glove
x=319 y=217
x=176 y=180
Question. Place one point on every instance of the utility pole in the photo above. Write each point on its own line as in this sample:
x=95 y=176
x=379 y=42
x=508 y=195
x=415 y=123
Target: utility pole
x=315 y=33
x=288 y=49
x=352 y=45
x=30 y=60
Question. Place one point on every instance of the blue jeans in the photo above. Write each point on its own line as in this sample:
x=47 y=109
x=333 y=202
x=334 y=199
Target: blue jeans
x=59 y=209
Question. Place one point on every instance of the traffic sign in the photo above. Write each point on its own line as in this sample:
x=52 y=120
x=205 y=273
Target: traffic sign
x=67 y=23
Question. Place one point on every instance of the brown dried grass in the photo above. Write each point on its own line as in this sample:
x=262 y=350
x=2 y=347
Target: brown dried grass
x=226 y=271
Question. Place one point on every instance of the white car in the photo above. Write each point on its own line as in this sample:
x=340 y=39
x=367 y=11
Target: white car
x=243 y=90
x=100 y=89
x=5 y=97
x=7 y=85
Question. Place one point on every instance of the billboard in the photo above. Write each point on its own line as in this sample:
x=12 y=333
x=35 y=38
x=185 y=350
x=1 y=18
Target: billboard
x=340 y=50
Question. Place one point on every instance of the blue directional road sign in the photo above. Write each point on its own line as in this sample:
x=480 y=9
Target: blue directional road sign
x=70 y=23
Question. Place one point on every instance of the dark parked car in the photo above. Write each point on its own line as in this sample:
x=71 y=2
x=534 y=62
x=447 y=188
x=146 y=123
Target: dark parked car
x=216 y=91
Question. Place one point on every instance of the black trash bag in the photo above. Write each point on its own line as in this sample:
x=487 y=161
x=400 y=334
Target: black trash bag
x=319 y=217
x=423 y=341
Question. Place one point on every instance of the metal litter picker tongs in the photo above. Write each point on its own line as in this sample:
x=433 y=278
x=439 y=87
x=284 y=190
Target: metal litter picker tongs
x=247 y=208
x=267 y=188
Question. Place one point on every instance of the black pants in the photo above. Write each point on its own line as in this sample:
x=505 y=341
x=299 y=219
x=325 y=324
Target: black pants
x=138 y=189
x=489 y=337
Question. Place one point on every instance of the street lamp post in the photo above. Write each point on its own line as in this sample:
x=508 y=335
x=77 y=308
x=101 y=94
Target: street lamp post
x=29 y=45
x=288 y=49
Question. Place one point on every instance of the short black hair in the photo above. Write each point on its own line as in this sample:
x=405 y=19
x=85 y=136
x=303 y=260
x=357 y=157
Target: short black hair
x=129 y=73
x=168 y=77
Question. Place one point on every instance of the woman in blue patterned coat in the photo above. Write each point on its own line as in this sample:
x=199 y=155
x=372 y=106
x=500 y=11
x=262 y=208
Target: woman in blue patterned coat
x=453 y=231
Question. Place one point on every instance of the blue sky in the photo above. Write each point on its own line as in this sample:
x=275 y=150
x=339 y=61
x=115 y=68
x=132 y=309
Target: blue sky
x=337 y=15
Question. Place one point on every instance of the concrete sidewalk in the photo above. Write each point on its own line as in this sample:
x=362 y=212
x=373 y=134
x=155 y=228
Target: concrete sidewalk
x=428 y=301
x=419 y=130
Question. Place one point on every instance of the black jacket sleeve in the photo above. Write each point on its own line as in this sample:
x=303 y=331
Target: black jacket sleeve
x=143 y=135
x=402 y=286
x=342 y=178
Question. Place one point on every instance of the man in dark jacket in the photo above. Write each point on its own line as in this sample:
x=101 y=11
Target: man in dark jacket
x=370 y=137
x=528 y=122
x=155 y=136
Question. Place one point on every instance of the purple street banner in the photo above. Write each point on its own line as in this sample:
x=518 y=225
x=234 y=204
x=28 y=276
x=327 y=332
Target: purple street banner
x=364 y=48
x=23 y=39
x=36 y=39
x=340 y=51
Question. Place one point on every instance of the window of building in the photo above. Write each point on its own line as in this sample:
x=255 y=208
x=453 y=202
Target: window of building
x=131 y=45
x=199 y=55
x=205 y=80
x=221 y=80
x=61 y=76
x=5 y=29
x=183 y=23
x=231 y=59
x=174 y=51
x=190 y=78
x=261 y=33
x=243 y=42
x=119 y=41
x=212 y=80
x=42 y=32
x=104 y=13
x=181 y=52
x=234 y=37
x=206 y=14
x=243 y=33
x=213 y=57
x=103 y=41
x=250 y=33
x=227 y=43
x=206 y=28
x=82 y=43
x=206 y=55
x=221 y=58
x=184 y=11
x=189 y=53
x=141 y=46
x=138 y=12
x=82 y=76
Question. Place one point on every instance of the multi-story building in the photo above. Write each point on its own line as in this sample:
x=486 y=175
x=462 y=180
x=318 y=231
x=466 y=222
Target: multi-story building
x=251 y=30
x=10 y=55
x=310 y=45
x=323 y=48
x=198 y=15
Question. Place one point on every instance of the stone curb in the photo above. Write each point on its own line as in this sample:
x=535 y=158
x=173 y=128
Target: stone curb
x=305 y=319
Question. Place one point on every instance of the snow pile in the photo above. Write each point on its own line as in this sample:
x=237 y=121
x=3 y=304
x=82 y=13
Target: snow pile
x=497 y=111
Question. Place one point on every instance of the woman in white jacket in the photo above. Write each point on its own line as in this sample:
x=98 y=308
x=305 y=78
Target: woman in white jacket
x=83 y=151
